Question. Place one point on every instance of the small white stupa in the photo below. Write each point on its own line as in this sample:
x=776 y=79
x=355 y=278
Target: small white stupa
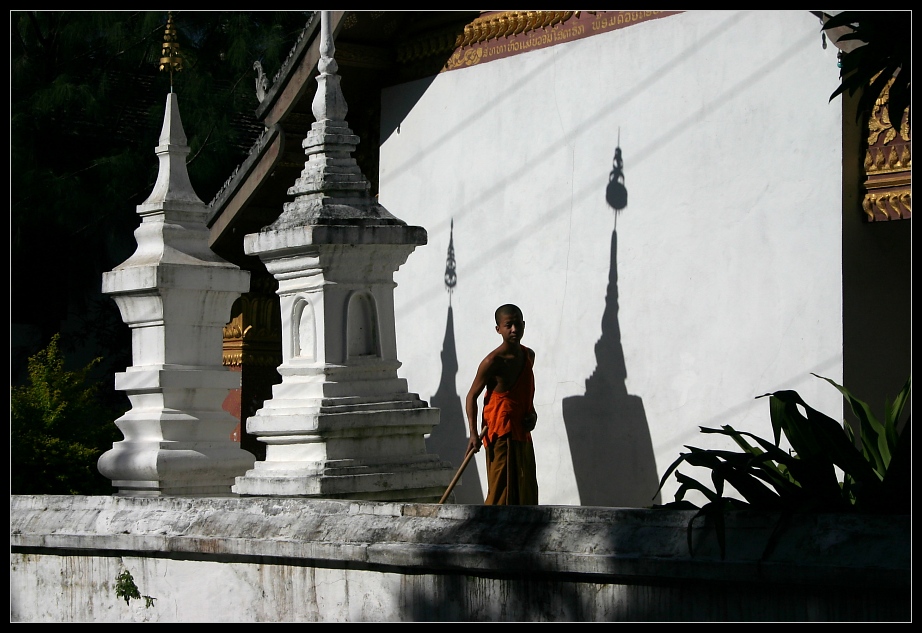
x=175 y=294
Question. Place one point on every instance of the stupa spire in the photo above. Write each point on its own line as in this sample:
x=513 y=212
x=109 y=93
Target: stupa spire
x=173 y=184
x=331 y=188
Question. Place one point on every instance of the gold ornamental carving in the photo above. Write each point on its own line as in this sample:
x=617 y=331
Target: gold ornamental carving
x=888 y=163
x=889 y=205
x=482 y=29
x=499 y=34
x=509 y=23
x=170 y=56
x=253 y=336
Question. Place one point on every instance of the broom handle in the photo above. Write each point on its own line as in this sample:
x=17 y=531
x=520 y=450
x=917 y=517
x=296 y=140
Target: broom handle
x=467 y=458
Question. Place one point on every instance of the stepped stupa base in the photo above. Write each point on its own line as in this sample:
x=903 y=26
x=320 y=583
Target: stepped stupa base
x=421 y=482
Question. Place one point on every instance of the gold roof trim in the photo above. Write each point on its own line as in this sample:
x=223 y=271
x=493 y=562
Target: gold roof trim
x=481 y=29
x=508 y=23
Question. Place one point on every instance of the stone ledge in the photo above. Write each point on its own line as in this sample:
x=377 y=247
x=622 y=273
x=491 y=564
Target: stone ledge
x=598 y=543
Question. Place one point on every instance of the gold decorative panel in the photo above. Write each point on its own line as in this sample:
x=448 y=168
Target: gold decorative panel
x=254 y=334
x=888 y=164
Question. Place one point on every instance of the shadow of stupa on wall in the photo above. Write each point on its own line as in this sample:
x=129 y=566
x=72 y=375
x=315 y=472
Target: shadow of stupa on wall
x=449 y=439
x=607 y=427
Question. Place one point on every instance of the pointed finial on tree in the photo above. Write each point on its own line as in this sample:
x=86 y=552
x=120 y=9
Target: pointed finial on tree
x=170 y=57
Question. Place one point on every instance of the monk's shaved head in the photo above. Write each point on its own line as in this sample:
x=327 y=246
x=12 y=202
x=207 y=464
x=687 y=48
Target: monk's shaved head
x=507 y=309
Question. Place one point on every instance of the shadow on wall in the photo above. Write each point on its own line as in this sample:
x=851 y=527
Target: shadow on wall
x=465 y=595
x=449 y=439
x=610 y=441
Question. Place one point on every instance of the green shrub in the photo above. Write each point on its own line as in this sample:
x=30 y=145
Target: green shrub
x=126 y=589
x=59 y=426
x=875 y=463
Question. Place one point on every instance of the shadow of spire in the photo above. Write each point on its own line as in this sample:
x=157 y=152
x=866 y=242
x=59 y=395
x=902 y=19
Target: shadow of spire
x=616 y=192
x=449 y=438
x=607 y=427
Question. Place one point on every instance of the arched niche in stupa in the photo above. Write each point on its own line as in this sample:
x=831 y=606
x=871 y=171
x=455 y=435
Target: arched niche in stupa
x=361 y=326
x=304 y=336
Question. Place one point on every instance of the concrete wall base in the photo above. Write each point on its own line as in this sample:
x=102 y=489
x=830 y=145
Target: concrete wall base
x=295 y=559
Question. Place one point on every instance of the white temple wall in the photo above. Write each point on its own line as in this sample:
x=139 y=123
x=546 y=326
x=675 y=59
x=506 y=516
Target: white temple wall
x=728 y=263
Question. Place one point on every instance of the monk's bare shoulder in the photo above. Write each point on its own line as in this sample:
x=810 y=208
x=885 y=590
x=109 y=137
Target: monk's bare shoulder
x=490 y=366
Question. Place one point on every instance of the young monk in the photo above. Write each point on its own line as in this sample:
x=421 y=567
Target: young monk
x=508 y=414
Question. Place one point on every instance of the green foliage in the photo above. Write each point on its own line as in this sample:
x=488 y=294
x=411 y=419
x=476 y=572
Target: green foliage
x=887 y=52
x=125 y=588
x=875 y=476
x=59 y=426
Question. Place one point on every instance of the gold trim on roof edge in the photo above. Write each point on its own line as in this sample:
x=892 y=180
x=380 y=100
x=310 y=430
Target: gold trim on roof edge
x=508 y=23
x=481 y=29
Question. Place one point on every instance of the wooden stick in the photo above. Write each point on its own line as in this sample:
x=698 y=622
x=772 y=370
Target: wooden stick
x=467 y=458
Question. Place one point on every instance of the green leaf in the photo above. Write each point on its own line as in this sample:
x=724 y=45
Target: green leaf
x=886 y=54
x=845 y=18
x=899 y=403
x=740 y=471
x=669 y=471
x=871 y=430
x=896 y=487
x=714 y=511
x=771 y=451
x=692 y=484
x=787 y=420
x=826 y=438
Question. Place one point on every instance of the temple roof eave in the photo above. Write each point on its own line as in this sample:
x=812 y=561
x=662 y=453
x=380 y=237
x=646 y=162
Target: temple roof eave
x=287 y=88
x=292 y=65
x=262 y=148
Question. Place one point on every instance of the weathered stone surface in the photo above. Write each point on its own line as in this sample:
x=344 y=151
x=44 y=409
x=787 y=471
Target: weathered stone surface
x=287 y=559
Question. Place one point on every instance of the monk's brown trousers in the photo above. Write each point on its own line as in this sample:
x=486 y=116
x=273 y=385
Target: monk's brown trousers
x=511 y=473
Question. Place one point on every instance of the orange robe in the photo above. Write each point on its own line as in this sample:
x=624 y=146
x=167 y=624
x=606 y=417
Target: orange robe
x=511 y=470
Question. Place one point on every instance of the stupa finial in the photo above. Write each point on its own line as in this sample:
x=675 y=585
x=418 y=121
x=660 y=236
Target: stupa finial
x=170 y=57
x=329 y=103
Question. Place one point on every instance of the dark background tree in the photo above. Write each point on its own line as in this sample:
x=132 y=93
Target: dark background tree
x=87 y=103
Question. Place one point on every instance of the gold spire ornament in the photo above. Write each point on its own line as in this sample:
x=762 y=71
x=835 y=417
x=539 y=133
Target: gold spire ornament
x=170 y=57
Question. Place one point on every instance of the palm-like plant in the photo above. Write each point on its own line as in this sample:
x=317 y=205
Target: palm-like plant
x=886 y=53
x=874 y=463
